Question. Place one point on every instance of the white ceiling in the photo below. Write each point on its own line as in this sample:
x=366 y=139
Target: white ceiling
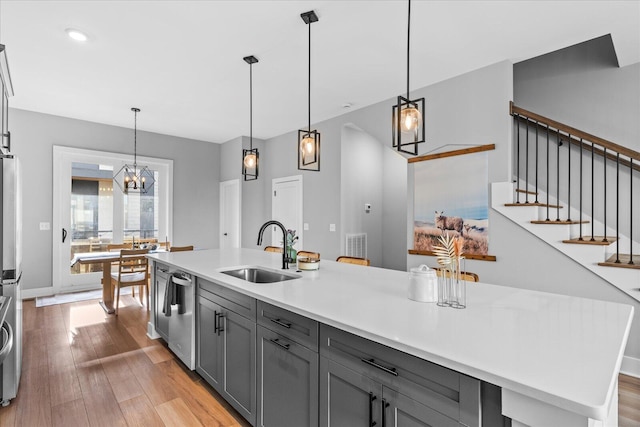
x=181 y=61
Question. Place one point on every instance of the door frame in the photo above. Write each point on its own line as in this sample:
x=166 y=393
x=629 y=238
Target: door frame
x=229 y=184
x=274 y=183
x=61 y=178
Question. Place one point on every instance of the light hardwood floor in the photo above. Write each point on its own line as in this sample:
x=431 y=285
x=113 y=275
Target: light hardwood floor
x=82 y=367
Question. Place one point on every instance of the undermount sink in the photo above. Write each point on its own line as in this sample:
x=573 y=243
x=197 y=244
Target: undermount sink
x=259 y=275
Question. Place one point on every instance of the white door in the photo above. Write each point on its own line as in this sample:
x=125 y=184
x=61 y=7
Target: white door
x=286 y=207
x=230 y=214
x=90 y=211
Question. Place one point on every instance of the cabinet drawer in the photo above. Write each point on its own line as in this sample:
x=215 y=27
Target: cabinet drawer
x=449 y=392
x=290 y=325
x=162 y=271
x=241 y=304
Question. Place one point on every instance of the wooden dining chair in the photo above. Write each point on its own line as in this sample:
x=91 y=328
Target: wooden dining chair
x=354 y=260
x=273 y=249
x=133 y=270
x=180 y=248
x=307 y=254
x=465 y=275
x=113 y=247
x=166 y=245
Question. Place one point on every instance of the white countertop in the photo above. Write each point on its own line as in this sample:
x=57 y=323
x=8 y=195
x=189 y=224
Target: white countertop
x=565 y=351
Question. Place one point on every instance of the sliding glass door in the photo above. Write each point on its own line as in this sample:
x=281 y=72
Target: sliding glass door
x=91 y=212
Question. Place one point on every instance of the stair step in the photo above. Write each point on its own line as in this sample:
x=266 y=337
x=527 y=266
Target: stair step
x=586 y=240
x=561 y=222
x=519 y=190
x=624 y=261
x=532 y=204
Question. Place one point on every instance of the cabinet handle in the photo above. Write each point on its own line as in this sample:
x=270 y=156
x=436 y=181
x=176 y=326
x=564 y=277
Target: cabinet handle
x=220 y=327
x=385 y=405
x=373 y=363
x=215 y=322
x=277 y=342
x=371 y=399
x=281 y=323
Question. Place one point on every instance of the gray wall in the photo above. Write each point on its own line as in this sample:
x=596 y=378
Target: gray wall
x=253 y=192
x=361 y=182
x=195 y=180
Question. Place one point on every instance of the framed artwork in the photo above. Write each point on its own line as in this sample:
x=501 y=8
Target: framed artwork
x=451 y=196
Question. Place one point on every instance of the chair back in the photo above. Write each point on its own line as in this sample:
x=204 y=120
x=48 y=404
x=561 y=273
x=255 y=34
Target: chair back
x=273 y=249
x=133 y=262
x=113 y=247
x=180 y=248
x=354 y=260
x=307 y=254
x=465 y=275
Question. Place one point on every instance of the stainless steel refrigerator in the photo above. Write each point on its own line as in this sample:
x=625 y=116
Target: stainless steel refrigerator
x=11 y=235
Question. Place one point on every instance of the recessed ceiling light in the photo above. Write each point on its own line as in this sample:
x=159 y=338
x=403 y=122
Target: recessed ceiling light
x=77 y=35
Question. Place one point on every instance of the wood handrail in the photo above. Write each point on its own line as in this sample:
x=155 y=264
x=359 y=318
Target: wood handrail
x=515 y=110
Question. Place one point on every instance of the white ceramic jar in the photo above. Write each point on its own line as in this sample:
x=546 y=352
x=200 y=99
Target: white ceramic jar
x=423 y=284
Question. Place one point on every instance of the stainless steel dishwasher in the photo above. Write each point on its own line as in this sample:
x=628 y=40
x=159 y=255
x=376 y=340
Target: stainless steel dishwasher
x=176 y=326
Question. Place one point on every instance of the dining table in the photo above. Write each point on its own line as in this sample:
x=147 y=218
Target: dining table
x=106 y=259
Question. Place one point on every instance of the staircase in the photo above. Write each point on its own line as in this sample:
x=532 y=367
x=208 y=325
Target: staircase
x=576 y=192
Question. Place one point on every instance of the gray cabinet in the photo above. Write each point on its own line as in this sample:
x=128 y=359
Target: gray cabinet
x=397 y=389
x=287 y=368
x=209 y=342
x=226 y=338
x=160 y=276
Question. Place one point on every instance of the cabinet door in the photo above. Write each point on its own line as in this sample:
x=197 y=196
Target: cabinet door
x=287 y=382
x=209 y=343
x=162 y=321
x=240 y=363
x=347 y=399
x=402 y=411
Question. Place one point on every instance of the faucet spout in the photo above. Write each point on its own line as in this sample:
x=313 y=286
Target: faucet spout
x=285 y=255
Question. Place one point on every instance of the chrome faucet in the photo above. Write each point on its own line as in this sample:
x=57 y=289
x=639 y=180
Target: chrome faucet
x=285 y=252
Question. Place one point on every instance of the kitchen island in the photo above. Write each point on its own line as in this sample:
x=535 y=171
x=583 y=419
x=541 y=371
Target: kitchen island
x=556 y=358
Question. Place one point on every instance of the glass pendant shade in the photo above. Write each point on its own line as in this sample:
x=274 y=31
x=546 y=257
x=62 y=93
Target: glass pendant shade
x=134 y=177
x=410 y=119
x=309 y=150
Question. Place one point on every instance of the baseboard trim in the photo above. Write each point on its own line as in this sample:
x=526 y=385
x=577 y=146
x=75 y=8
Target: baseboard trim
x=630 y=366
x=50 y=291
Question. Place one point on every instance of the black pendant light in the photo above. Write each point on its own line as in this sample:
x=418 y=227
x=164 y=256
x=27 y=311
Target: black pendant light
x=251 y=156
x=408 y=126
x=309 y=140
x=134 y=177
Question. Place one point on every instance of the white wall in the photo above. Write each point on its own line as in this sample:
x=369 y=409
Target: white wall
x=195 y=181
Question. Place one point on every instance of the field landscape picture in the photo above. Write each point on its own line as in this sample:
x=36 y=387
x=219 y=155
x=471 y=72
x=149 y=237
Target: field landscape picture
x=452 y=197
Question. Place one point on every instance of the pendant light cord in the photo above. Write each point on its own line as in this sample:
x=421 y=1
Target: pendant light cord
x=408 y=42
x=309 y=75
x=251 y=106
x=135 y=140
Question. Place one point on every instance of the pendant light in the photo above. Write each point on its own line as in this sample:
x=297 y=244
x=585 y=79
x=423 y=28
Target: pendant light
x=309 y=140
x=250 y=157
x=134 y=178
x=408 y=126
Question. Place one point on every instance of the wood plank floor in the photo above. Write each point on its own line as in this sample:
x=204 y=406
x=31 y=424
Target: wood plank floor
x=82 y=367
